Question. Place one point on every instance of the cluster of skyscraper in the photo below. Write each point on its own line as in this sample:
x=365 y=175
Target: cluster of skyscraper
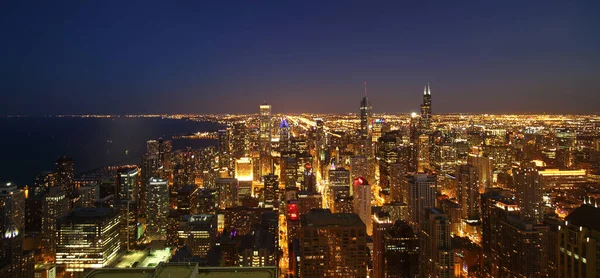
x=324 y=196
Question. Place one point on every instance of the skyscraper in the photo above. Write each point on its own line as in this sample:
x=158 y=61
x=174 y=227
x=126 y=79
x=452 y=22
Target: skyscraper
x=467 y=192
x=158 y=208
x=419 y=191
x=12 y=207
x=64 y=173
x=529 y=192
x=366 y=114
x=271 y=187
x=381 y=224
x=128 y=185
x=284 y=136
x=332 y=245
x=425 y=121
x=54 y=206
x=437 y=258
x=579 y=243
x=362 y=202
x=401 y=251
x=224 y=138
x=227 y=192
x=519 y=247
x=87 y=238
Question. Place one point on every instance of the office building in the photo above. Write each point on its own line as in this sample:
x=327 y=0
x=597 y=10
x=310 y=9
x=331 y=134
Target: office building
x=308 y=201
x=271 y=189
x=339 y=177
x=401 y=251
x=157 y=208
x=128 y=185
x=199 y=233
x=332 y=245
x=227 y=193
x=87 y=238
x=425 y=120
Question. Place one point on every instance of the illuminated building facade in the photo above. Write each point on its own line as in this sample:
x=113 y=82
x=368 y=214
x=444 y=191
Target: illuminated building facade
x=436 y=256
x=381 y=224
x=308 y=201
x=366 y=114
x=339 y=239
x=257 y=249
x=579 y=243
x=87 y=238
x=54 y=206
x=425 y=120
x=271 y=189
x=265 y=139
x=199 y=233
x=529 y=192
x=468 y=192
x=362 y=202
x=128 y=185
x=227 y=193
x=157 y=208
x=484 y=165
x=12 y=207
x=518 y=247
x=419 y=191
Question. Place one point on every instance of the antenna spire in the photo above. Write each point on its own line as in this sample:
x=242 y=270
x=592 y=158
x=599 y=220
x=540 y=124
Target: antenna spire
x=365 y=88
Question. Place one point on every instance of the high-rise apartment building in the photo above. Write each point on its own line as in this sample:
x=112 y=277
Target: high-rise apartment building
x=362 y=202
x=467 y=192
x=579 y=243
x=199 y=233
x=381 y=224
x=529 y=192
x=54 y=206
x=437 y=258
x=419 y=192
x=12 y=207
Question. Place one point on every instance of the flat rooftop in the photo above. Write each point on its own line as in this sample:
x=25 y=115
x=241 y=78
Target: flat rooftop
x=324 y=218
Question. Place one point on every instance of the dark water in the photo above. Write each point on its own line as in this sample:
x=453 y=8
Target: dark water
x=31 y=145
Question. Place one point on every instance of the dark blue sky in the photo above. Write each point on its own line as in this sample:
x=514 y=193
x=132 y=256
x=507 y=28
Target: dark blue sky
x=301 y=56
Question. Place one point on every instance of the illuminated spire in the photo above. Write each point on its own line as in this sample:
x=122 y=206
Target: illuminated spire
x=428 y=89
x=425 y=90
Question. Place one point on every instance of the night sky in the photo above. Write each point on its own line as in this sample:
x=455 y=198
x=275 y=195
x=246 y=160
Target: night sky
x=300 y=56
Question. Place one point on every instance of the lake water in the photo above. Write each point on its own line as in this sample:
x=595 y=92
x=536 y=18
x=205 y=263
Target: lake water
x=31 y=145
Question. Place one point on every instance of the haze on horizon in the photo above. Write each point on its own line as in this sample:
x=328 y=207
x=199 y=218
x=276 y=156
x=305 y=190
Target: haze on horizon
x=195 y=57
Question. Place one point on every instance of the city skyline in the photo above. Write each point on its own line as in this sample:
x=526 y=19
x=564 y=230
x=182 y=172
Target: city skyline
x=215 y=58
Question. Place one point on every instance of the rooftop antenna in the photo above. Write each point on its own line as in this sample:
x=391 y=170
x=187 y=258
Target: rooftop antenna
x=365 y=88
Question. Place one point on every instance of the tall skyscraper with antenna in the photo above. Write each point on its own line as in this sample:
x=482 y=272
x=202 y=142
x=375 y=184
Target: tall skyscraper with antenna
x=366 y=114
x=426 y=110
